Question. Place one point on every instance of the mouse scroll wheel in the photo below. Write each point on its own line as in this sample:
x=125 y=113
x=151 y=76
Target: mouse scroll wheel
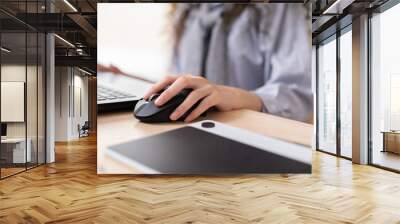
x=154 y=97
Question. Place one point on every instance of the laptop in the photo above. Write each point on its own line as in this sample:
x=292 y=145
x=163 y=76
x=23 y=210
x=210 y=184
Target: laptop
x=119 y=92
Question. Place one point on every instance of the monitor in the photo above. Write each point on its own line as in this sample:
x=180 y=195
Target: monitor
x=3 y=129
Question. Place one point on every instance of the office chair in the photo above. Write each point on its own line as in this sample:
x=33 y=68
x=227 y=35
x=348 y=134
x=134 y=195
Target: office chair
x=84 y=130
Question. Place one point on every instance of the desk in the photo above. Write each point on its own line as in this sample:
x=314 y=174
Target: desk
x=18 y=151
x=120 y=127
x=391 y=141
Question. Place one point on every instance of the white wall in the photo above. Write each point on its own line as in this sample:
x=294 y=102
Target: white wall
x=82 y=82
x=68 y=82
x=62 y=81
x=17 y=73
x=80 y=97
x=14 y=73
x=33 y=126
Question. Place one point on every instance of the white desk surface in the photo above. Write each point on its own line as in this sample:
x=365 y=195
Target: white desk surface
x=13 y=140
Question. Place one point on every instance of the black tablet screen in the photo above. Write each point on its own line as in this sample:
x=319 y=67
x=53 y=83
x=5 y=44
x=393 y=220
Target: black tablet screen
x=190 y=150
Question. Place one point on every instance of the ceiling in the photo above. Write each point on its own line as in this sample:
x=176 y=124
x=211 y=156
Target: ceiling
x=332 y=15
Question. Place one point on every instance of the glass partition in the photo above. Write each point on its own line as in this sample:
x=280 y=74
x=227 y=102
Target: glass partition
x=327 y=95
x=385 y=89
x=32 y=98
x=346 y=93
x=23 y=89
x=14 y=153
x=41 y=87
x=334 y=99
x=35 y=52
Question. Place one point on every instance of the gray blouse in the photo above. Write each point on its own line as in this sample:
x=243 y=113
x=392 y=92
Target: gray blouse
x=266 y=49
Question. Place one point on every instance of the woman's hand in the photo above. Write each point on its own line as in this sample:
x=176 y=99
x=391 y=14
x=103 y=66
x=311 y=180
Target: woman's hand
x=203 y=90
x=224 y=98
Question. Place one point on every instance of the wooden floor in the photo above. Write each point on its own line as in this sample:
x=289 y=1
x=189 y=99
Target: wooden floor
x=386 y=159
x=5 y=172
x=69 y=191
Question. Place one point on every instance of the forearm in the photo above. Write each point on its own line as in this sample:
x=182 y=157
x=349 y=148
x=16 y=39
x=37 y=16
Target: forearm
x=235 y=98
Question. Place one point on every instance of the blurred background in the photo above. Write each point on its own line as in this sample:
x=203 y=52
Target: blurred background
x=136 y=38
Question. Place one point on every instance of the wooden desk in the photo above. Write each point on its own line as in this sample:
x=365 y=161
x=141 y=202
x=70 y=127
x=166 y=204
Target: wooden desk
x=121 y=127
x=391 y=141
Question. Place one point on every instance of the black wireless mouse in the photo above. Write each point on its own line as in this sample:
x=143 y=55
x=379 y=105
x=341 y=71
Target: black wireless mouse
x=146 y=110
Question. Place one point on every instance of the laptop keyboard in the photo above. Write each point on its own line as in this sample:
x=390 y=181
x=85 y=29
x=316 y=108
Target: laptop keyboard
x=106 y=94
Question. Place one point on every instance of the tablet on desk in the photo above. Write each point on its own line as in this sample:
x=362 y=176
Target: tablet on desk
x=210 y=147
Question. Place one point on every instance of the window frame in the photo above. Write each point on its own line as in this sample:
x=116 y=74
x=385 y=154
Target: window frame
x=333 y=37
x=378 y=10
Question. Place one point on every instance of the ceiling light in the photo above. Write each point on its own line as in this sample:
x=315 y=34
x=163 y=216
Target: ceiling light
x=86 y=72
x=70 y=5
x=79 y=51
x=337 y=7
x=5 y=50
x=65 y=41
